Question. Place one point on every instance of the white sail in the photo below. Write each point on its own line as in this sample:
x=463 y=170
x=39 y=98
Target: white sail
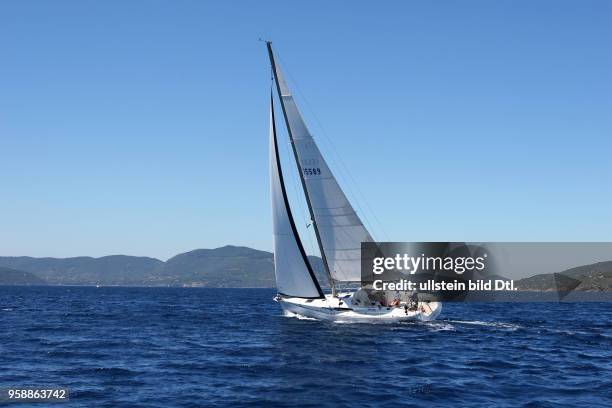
x=294 y=275
x=340 y=231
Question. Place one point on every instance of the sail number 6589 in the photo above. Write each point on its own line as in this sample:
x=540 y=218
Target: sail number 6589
x=311 y=171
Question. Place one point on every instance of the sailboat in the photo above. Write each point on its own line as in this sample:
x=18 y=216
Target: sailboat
x=338 y=229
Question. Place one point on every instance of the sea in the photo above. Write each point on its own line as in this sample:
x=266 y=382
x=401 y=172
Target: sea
x=198 y=347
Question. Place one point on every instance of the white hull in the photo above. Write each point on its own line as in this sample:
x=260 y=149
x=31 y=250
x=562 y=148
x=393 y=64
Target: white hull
x=341 y=310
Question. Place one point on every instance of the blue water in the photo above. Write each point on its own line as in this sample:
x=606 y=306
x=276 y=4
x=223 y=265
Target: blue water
x=164 y=347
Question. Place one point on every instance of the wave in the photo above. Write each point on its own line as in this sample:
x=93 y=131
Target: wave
x=439 y=326
x=500 y=325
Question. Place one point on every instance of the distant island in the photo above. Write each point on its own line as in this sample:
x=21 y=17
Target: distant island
x=225 y=267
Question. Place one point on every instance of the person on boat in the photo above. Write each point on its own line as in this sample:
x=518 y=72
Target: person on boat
x=376 y=298
x=414 y=300
x=383 y=301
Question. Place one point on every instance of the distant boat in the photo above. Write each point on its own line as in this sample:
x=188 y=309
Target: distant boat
x=338 y=229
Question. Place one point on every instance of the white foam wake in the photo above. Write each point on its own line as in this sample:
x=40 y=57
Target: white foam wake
x=287 y=313
x=439 y=326
x=488 y=324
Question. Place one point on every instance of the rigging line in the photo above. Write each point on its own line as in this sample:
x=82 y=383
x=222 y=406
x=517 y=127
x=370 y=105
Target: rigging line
x=340 y=161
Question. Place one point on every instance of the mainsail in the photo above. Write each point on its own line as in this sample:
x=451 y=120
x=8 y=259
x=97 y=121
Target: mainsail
x=294 y=275
x=337 y=226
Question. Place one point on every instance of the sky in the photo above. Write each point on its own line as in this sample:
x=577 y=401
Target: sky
x=140 y=127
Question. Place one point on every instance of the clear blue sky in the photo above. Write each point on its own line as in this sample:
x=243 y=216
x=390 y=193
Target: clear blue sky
x=140 y=127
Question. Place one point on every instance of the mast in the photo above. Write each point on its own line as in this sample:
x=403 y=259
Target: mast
x=299 y=165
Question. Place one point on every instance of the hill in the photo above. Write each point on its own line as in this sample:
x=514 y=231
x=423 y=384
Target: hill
x=225 y=267
x=595 y=277
x=107 y=270
x=10 y=276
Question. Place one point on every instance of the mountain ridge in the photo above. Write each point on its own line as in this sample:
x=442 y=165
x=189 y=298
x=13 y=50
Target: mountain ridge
x=223 y=267
x=228 y=266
